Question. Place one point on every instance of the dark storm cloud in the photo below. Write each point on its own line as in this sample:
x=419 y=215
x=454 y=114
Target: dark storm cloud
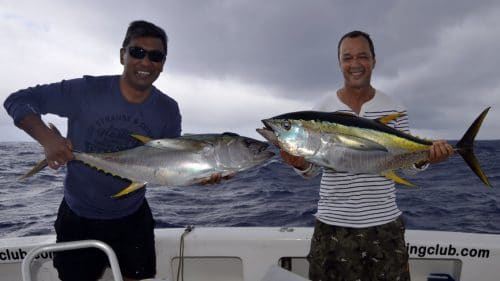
x=293 y=46
x=438 y=57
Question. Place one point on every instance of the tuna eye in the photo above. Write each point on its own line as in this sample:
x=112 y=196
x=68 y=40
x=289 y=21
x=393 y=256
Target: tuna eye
x=287 y=125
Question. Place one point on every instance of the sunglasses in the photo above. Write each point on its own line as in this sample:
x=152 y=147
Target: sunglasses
x=140 y=53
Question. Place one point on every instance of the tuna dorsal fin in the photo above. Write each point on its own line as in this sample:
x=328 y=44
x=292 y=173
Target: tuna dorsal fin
x=141 y=138
x=388 y=118
x=397 y=179
x=132 y=187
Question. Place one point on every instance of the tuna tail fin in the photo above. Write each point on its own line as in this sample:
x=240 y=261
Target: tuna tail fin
x=38 y=167
x=43 y=163
x=465 y=147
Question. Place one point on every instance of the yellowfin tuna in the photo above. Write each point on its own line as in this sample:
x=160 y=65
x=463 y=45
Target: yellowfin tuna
x=348 y=143
x=181 y=161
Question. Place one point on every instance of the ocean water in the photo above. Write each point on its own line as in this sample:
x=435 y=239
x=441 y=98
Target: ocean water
x=449 y=197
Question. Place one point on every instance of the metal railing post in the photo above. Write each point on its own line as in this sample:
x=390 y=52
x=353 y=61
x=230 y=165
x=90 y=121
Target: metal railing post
x=63 y=246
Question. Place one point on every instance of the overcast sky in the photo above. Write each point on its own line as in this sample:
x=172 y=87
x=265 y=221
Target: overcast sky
x=232 y=63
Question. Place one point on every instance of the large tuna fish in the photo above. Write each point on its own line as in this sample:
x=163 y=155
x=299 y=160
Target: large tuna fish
x=185 y=160
x=348 y=143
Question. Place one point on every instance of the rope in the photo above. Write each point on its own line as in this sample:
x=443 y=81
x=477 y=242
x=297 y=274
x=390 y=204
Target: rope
x=180 y=267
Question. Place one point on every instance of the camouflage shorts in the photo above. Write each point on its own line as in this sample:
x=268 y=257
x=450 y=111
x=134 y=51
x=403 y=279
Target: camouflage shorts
x=348 y=254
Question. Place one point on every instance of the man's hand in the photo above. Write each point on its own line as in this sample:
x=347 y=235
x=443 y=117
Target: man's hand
x=295 y=161
x=58 y=151
x=440 y=151
x=217 y=178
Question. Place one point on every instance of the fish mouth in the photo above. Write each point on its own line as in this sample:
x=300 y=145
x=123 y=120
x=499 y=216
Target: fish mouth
x=266 y=123
x=268 y=132
x=265 y=132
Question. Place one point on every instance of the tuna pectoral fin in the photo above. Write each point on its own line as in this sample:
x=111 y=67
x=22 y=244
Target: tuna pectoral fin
x=132 y=187
x=38 y=167
x=357 y=143
x=392 y=176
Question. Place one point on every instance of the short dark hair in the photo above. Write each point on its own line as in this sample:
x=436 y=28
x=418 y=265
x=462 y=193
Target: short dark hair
x=354 y=34
x=142 y=28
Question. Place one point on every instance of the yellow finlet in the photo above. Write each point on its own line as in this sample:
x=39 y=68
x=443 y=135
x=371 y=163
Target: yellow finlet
x=132 y=187
x=141 y=138
x=397 y=179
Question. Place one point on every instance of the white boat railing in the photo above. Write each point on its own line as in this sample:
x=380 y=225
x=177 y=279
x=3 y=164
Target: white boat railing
x=63 y=246
x=244 y=254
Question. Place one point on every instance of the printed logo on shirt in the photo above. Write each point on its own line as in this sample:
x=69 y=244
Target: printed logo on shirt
x=113 y=132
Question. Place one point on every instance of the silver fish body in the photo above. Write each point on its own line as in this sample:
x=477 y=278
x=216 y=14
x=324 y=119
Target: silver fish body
x=340 y=151
x=336 y=152
x=348 y=143
x=181 y=161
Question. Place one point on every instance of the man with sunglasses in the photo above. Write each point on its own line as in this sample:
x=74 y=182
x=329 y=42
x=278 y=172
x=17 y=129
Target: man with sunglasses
x=102 y=113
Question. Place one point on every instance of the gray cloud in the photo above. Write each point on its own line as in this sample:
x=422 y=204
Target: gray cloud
x=439 y=57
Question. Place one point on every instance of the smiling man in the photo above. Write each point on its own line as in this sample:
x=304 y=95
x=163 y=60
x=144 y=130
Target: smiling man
x=359 y=231
x=102 y=113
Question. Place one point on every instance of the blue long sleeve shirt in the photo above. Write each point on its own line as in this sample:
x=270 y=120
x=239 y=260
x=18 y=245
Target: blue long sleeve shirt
x=100 y=119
